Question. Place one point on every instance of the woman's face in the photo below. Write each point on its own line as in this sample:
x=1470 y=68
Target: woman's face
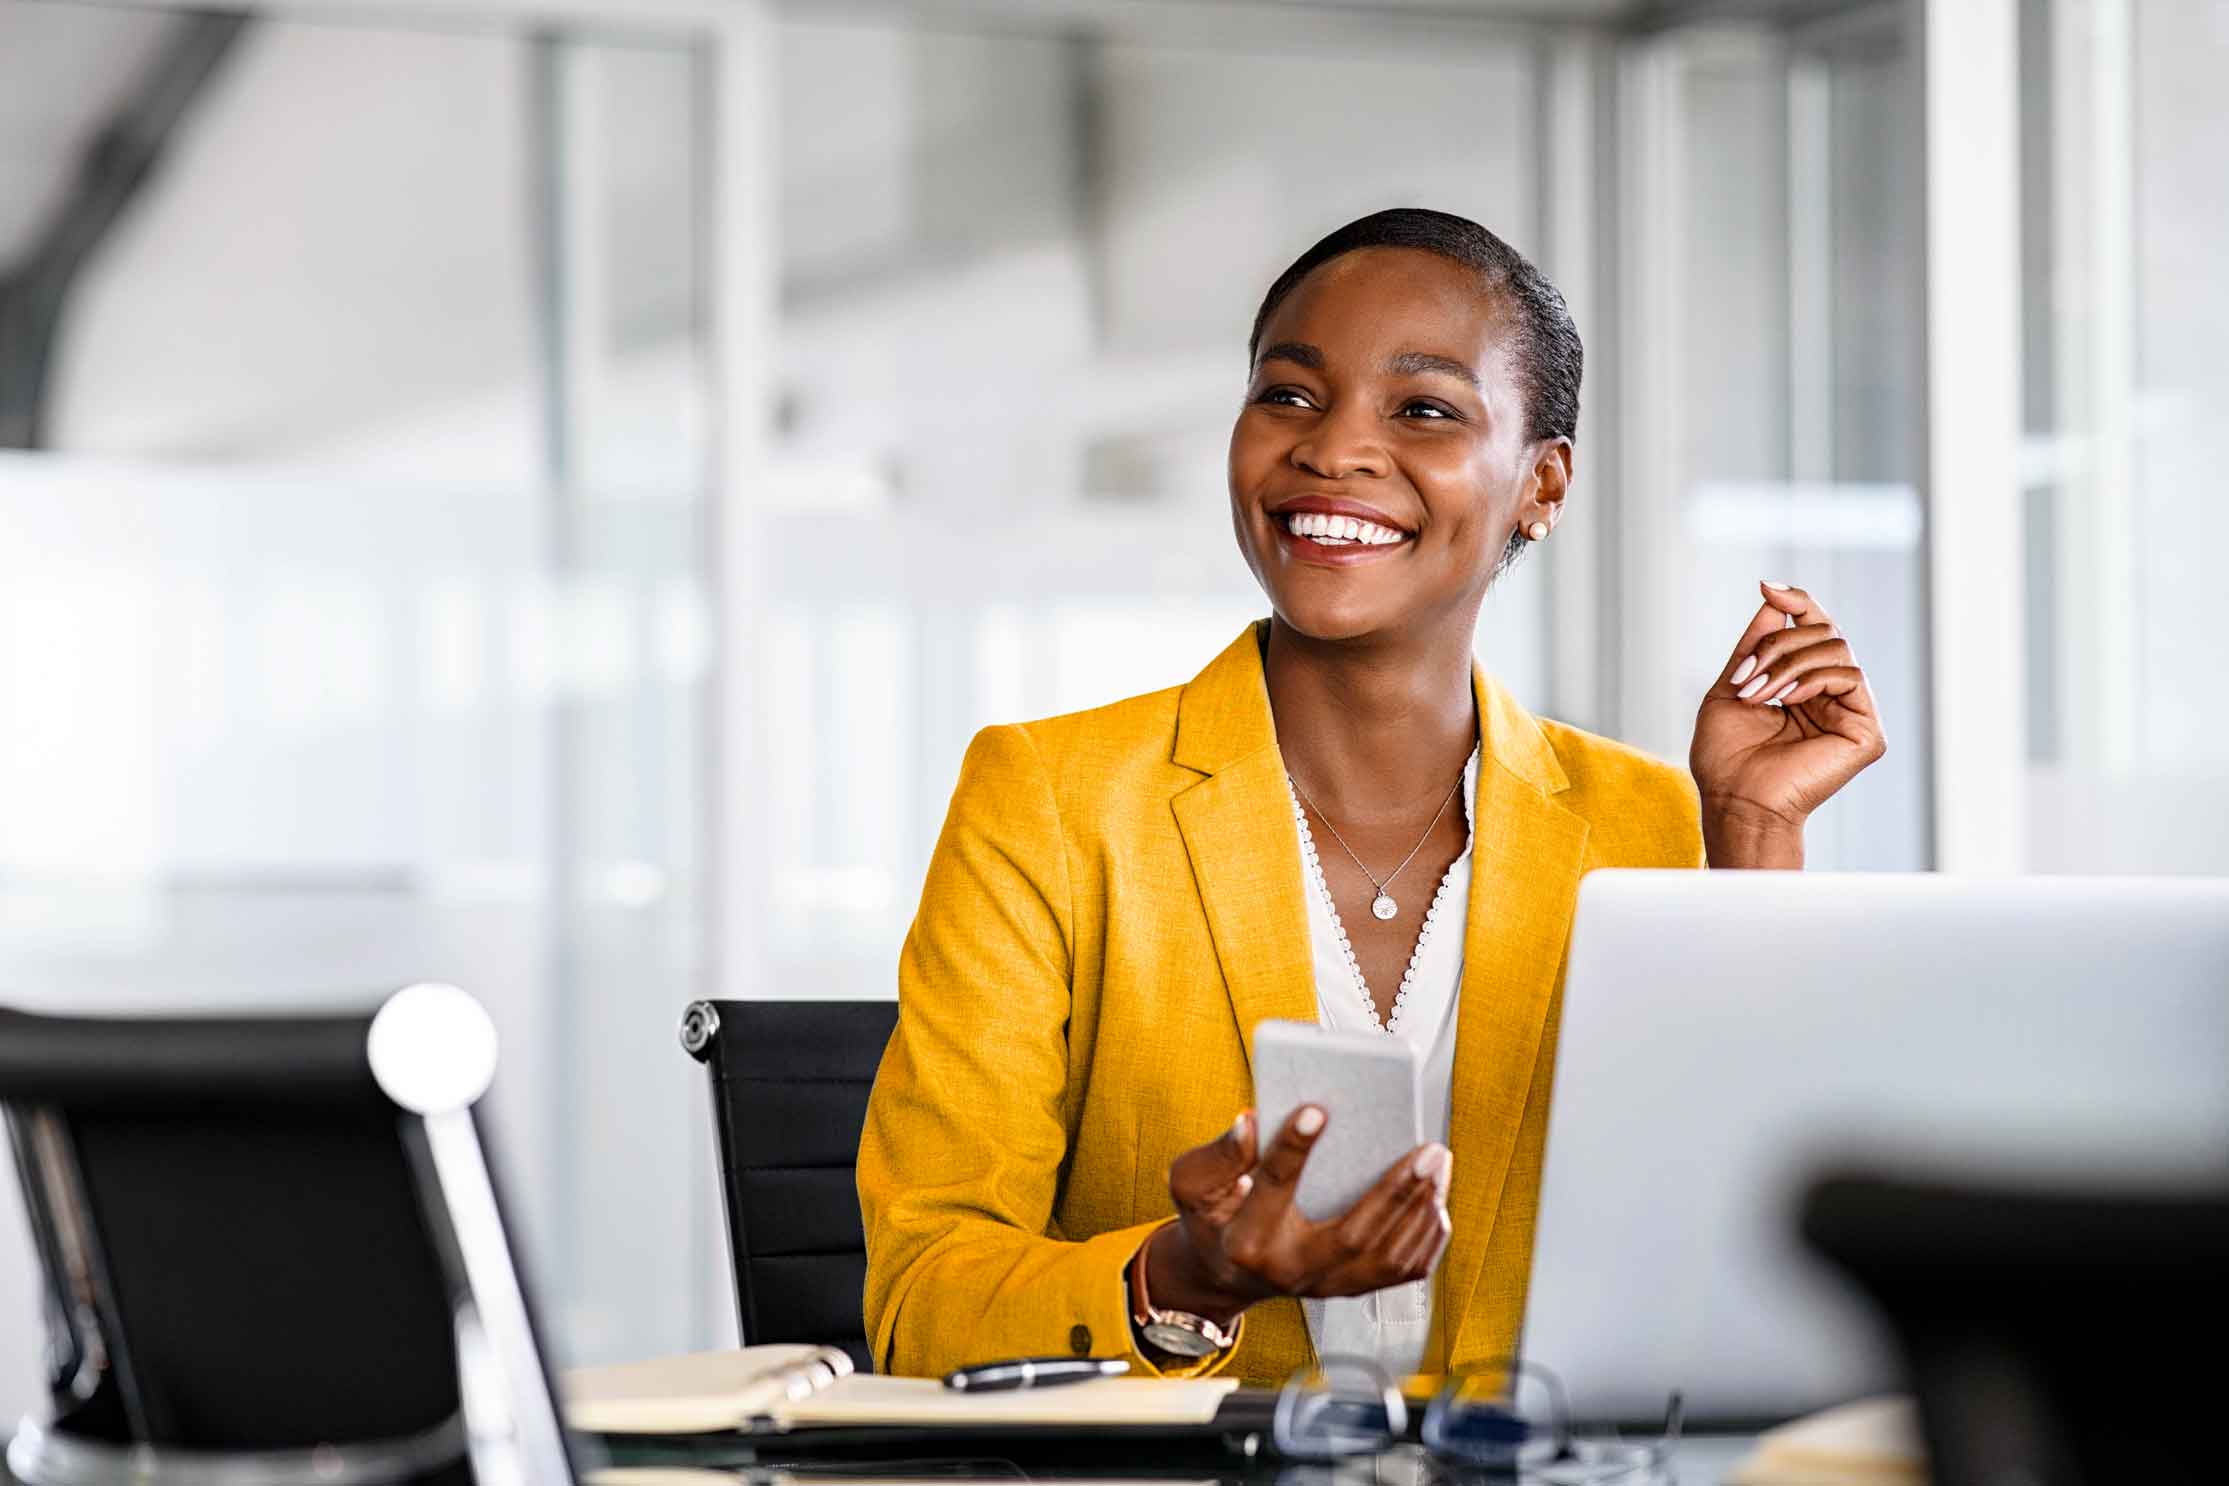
x=1384 y=419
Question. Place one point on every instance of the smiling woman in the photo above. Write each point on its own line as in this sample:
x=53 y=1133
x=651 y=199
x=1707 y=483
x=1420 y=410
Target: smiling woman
x=1119 y=896
x=1539 y=334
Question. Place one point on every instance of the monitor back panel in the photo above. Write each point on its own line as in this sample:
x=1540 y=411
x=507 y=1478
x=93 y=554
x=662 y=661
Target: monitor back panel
x=1726 y=1035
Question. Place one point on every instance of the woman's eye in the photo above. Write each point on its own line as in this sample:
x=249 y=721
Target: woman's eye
x=1421 y=409
x=1285 y=397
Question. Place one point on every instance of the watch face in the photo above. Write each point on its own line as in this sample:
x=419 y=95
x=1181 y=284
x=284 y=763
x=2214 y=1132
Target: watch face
x=1178 y=1341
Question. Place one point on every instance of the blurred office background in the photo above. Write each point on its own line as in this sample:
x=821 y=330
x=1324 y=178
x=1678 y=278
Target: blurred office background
x=540 y=495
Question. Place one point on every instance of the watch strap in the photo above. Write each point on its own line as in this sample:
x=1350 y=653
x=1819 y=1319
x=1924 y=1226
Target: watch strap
x=1179 y=1333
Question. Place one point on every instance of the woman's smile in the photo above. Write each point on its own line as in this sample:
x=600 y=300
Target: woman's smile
x=1337 y=532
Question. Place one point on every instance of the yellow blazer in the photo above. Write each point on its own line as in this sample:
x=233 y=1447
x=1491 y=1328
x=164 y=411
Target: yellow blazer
x=1113 y=904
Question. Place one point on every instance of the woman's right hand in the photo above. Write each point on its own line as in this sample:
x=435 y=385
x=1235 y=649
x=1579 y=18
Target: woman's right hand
x=1239 y=1238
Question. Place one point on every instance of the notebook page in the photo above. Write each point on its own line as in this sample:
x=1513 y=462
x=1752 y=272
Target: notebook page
x=696 y=1393
x=869 y=1400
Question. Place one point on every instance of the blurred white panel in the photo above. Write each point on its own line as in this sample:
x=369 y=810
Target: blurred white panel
x=1512 y=639
x=1796 y=513
x=1105 y=651
x=79 y=778
x=1001 y=646
x=1971 y=75
x=792 y=745
x=453 y=640
x=319 y=650
x=599 y=635
x=864 y=779
x=683 y=642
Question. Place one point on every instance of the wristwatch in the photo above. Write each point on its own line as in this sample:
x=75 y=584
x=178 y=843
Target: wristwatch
x=1178 y=1333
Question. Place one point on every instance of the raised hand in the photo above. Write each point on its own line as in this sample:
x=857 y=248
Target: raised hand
x=1790 y=721
x=1238 y=1237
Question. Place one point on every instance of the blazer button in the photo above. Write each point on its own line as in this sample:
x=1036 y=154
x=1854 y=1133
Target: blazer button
x=1079 y=1340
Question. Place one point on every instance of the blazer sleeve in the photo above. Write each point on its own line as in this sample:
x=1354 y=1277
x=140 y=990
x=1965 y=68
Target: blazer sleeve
x=967 y=1128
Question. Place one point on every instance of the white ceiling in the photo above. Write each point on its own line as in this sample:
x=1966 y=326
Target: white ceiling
x=65 y=65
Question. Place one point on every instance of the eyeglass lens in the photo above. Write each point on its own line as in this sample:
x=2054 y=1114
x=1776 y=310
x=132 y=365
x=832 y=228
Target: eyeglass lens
x=1347 y=1406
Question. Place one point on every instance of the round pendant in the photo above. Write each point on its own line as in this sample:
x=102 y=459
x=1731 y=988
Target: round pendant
x=1384 y=906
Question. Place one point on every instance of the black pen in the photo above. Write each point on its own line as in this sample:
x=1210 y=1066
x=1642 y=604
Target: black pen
x=1033 y=1372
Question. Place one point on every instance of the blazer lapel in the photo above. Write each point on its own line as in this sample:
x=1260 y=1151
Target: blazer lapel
x=1238 y=830
x=1245 y=852
x=1527 y=856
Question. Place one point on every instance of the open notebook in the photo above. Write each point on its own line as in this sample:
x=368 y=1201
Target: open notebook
x=784 y=1388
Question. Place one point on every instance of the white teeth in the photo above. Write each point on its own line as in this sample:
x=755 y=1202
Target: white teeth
x=1340 y=531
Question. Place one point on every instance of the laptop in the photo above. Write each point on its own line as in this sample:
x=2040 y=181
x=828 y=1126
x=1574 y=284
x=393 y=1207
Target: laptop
x=1726 y=1037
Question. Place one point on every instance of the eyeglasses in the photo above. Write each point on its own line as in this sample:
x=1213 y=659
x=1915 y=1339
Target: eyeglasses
x=1512 y=1421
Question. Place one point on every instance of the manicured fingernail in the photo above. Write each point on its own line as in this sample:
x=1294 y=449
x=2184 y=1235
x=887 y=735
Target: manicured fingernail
x=1751 y=689
x=1238 y=1127
x=1244 y=1184
x=1776 y=587
x=1743 y=674
x=1776 y=696
x=1430 y=1162
x=1309 y=1120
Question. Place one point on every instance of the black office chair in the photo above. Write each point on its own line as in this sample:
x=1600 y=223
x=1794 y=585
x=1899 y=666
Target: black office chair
x=790 y=1081
x=272 y=1251
x=2038 y=1328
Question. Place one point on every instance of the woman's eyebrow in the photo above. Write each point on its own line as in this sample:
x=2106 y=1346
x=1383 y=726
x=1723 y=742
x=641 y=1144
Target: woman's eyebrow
x=1300 y=353
x=1425 y=361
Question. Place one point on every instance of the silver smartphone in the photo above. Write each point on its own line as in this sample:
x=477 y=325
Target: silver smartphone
x=1370 y=1085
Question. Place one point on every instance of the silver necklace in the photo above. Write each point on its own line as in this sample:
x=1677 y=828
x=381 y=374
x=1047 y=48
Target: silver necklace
x=1382 y=905
x=1391 y=1021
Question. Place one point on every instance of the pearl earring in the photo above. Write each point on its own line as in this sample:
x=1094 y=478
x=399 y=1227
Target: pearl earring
x=1538 y=531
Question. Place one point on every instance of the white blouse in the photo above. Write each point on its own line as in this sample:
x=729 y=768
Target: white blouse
x=1392 y=1326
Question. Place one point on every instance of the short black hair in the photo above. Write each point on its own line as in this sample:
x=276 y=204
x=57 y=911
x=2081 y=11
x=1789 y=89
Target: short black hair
x=1550 y=355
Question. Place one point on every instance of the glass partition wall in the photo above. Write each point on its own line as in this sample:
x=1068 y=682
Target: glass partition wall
x=2123 y=234
x=353 y=620
x=1769 y=381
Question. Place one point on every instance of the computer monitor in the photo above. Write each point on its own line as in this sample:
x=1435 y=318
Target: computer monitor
x=1725 y=1036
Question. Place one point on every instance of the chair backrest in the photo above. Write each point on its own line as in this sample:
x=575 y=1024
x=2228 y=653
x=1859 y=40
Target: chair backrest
x=2033 y=1323
x=266 y=1242
x=790 y=1081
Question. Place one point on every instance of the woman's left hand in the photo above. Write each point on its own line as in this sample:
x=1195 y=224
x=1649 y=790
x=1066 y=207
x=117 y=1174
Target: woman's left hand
x=1763 y=769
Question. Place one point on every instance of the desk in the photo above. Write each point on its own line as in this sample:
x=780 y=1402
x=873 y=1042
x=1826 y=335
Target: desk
x=1696 y=1462
x=1703 y=1461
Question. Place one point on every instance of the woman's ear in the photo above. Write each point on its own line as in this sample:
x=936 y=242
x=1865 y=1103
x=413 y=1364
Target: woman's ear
x=1551 y=482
